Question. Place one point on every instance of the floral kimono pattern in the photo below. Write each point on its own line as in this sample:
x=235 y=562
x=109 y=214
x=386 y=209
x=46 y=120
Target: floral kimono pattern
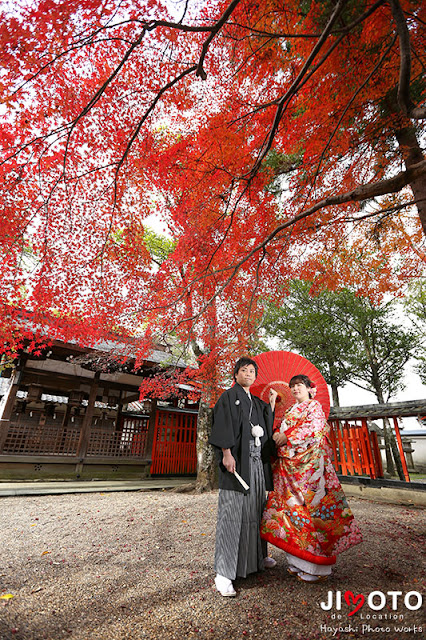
x=307 y=514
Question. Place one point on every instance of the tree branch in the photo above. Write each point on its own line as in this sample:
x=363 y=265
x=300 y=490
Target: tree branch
x=362 y=192
x=339 y=30
x=214 y=31
x=404 y=99
x=352 y=99
x=294 y=87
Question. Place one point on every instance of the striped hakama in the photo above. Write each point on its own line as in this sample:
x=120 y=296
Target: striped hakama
x=239 y=547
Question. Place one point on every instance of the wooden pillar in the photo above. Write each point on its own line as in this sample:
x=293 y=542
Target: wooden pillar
x=66 y=417
x=343 y=467
x=376 y=454
x=87 y=421
x=118 y=422
x=345 y=433
x=334 y=425
x=10 y=402
x=401 y=450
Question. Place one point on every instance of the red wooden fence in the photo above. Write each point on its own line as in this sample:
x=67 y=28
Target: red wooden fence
x=174 y=448
x=356 y=450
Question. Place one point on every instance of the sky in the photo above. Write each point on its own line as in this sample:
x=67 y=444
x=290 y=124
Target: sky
x=350 y=395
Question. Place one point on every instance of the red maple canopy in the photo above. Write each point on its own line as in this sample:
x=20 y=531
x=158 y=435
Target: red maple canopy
x=276 y=368
x=273 y=140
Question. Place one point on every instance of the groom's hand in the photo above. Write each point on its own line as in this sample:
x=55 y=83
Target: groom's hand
x=228 y=461
x=279 y=438
x=272 y=398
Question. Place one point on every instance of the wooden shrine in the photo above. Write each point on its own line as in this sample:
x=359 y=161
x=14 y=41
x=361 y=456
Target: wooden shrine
x=70 y=414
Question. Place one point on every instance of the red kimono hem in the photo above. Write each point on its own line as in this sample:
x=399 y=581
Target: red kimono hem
x=295 y=551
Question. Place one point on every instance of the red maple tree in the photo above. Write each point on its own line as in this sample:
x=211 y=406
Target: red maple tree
x=272 y=139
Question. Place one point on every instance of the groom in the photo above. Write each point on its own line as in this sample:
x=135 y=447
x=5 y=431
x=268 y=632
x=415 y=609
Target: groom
x=242 y=437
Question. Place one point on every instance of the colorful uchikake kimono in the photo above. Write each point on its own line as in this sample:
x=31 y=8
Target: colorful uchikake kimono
x=307 y=514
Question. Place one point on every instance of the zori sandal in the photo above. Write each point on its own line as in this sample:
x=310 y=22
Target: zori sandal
x=224 y=586
x=307 y=577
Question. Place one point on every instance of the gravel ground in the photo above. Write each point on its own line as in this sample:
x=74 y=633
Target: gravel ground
x=138 y=566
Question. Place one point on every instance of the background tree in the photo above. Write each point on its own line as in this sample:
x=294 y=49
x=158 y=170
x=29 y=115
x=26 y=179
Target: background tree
x=349 y=339
x=383 y=345
x=346 y=336
x=415 y=304
x=384 y=349
x=308 y=325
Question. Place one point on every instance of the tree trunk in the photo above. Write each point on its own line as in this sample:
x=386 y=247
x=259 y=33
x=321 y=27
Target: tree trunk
x=335 y=395
x=395 y=453
x=207 y=473
x=206 y=462
x=412 y=154
x=391 y=447
x=387 y=433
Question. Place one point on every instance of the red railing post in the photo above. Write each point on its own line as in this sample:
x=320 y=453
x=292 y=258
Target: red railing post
x=366 y=447
x=342 y=452
x=334 y=425
x=348 y=450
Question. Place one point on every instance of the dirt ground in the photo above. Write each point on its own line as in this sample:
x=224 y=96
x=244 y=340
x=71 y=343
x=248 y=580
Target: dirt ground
x=138 y=566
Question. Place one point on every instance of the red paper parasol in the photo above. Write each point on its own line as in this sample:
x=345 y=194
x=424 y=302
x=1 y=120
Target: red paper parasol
x=276 y=368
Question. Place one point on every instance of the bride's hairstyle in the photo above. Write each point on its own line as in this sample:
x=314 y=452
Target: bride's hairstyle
x=301 y=378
